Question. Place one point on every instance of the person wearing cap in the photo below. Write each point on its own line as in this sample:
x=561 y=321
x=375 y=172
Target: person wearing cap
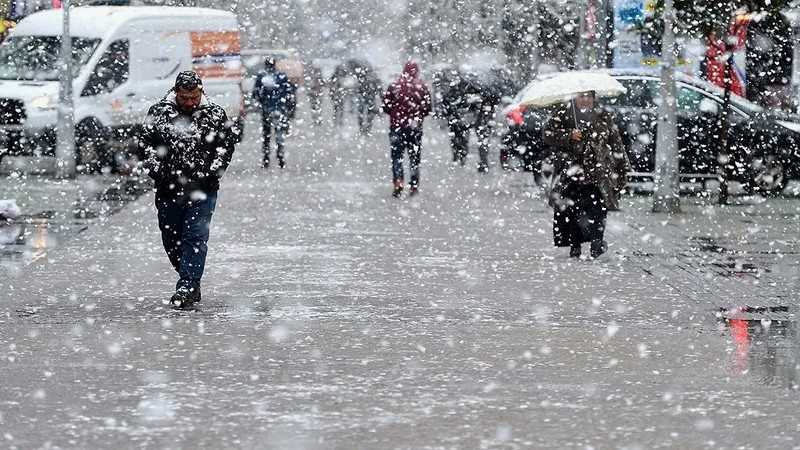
x=278 y=98
x=188 y=143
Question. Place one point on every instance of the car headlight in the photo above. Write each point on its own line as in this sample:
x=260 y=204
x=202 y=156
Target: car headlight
x=44 y=102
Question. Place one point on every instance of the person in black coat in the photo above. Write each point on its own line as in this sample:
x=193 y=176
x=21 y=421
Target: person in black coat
x=367 y=91
x=188 y=142
x=591 y=171
x=316 y=85
x=339 y=91
x=278 y=98
x=469 y=104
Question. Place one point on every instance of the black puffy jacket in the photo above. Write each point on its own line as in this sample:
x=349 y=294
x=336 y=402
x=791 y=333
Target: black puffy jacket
x=186 y=153
x=469 y=102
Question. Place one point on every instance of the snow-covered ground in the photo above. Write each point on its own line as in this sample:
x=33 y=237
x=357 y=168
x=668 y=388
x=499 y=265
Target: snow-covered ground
x=335 y=316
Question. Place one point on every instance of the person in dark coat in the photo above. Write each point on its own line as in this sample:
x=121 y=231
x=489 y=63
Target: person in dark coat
x=441 y=82
x=407 y=101
x=368 y=90
x=278 y=98
x=316 y=85
x=188 y=142
x=591 y=169
x=469 y=104
x=339 y=92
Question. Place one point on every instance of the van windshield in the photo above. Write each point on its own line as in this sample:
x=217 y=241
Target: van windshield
x=35 y=58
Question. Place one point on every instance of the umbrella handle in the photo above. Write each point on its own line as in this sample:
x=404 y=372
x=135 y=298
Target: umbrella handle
x=574 y=115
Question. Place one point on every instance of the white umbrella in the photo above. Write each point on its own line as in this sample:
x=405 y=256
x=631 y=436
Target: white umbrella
x=564 y=86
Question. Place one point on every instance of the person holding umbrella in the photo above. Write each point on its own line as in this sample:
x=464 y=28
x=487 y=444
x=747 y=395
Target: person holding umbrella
x=590 y=166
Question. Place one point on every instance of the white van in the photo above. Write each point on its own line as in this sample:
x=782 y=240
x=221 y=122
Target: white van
x=125 y=58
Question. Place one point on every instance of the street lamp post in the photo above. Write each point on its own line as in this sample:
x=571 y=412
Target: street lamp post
x=724 y=147
x=582 y=56
x=602 y=33
x=666 y=197
x=65 y=130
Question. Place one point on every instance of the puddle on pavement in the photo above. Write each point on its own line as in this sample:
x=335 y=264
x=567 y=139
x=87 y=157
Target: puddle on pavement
x=31 y=236
x=706 y=244
x=766 y=344
x=727 y=262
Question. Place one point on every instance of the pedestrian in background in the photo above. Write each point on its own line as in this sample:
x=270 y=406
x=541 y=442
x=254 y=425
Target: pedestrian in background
x=591 y=171
x=188 y=142
x=316 y=86
x=339 y=92
x=468 y=104
x=277 y=95
x=407 y=101
x=367 y=91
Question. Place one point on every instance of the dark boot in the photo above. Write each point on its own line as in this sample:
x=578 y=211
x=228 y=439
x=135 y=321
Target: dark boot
x=575 y=251
x=398 y=187
x=185 y=297
x=598 y=248
x=181 y=299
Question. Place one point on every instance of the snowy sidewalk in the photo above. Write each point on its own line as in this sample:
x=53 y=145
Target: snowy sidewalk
x=335 y=316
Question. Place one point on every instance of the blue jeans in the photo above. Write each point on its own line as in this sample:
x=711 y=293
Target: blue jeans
x=185 y=227
x=402 y=139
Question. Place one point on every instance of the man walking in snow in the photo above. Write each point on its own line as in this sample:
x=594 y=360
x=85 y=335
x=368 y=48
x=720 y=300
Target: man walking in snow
x=469 y=104
x=188 y=142
x=407 y=101
x=278 y=98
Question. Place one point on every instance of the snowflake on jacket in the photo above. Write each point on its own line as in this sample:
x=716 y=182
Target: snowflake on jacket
x=187 y=153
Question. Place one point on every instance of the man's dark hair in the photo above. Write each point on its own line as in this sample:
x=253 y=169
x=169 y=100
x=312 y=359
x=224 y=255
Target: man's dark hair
x=269 y=63
x=188 y=81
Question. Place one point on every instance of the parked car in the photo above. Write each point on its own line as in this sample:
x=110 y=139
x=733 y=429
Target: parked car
x=764 y=145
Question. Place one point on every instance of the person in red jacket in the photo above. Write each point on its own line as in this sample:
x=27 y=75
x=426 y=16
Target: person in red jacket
x=407 y=101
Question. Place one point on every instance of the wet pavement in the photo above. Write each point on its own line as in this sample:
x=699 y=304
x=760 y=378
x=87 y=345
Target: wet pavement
x=53 y=211
x=335 y=316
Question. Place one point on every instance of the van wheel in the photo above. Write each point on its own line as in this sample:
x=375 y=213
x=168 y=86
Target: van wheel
x=91 y=155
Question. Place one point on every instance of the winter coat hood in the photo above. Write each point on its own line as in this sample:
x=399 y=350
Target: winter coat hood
x=411 y=69
x=408 y=99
